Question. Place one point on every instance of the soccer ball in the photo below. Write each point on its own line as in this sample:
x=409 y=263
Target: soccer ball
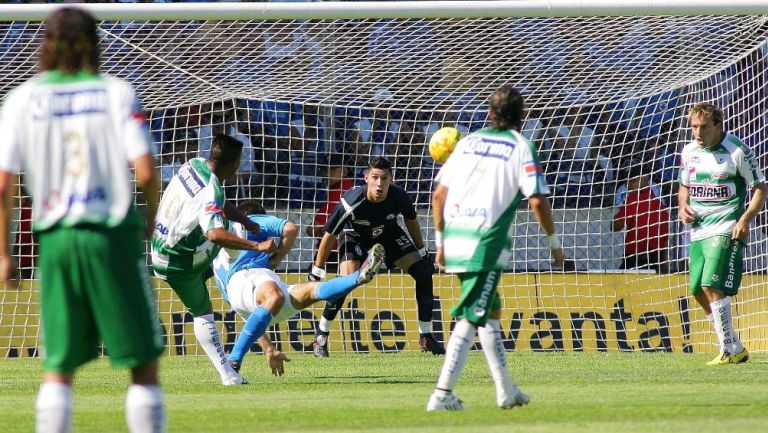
x=442 y=143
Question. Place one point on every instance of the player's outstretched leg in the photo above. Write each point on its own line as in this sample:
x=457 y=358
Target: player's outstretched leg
x=337 y=289
x=372 y=264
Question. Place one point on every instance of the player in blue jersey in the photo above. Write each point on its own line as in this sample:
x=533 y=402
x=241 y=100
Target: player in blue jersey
x=367 y=215
x=256 y=292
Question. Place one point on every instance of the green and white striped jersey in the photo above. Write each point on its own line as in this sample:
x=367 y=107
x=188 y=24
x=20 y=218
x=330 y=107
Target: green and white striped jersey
x=487 y=176
x=192 y=204
x=718 y=180
x=73 y=137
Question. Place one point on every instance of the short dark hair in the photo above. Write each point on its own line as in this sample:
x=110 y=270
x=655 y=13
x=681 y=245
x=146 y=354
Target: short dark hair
x=251 y=207
x=381 y=163
x=225 y=150
x=71 y=43
x=508 y=108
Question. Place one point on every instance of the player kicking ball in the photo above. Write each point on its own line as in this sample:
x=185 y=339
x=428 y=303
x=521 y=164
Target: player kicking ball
x=256 y=292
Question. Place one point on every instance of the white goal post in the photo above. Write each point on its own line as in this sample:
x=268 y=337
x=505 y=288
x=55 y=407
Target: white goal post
x=607 y=85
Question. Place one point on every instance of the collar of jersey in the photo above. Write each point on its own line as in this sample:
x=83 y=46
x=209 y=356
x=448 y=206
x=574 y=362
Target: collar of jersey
x=57 y=76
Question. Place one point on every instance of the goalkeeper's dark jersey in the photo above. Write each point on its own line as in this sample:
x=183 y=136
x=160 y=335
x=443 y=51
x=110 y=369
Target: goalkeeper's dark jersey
x=369 y=220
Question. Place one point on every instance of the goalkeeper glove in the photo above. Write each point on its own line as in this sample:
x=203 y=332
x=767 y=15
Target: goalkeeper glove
x=423 y=251
x=316 y=274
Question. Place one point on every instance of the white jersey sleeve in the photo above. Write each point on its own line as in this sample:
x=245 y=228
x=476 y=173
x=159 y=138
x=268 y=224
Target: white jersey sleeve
x=134 y=137
x=748 y=168
x=530 y=174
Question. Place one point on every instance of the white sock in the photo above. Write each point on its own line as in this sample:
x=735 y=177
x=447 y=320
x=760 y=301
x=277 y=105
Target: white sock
x=456 y=355
x=711 y=320
x=144 y=410
x=54 y=408
x=425 y=327
x=325 y=325
x=208 y=336
x=726 y=335
x=495 y=354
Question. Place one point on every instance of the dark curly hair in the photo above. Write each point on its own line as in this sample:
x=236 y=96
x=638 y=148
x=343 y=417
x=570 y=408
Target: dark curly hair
x=71 y=43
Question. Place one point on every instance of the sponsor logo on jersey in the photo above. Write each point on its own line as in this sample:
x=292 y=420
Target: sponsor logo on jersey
x=391 y=216
x=467 y=212
x=362 y=222
x=377 y=231
x=191 y=181
x=488 y=147
x=707 y=192
x=89 y=196
x=58 y=104
x=722 y=175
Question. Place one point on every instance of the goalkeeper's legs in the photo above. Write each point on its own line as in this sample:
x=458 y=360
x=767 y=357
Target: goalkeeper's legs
x=507 y=393
x=331 y=310
x=422 y=271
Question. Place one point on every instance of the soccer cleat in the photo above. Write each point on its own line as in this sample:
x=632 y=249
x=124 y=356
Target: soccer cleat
x=428 y=343
x=518 y=398
x=235 y=365
x=235 y=379
x=741 y=357
x=371 y=265
x=320 y=345
x=723 y=358
x=444 y=402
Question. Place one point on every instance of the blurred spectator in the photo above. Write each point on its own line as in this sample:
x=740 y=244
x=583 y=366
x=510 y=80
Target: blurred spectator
x=338 y=182
x=231 y=122
x=647 y=223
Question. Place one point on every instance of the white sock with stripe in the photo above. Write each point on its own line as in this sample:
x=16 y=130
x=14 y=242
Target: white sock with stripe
x=495 y=355
x=456 y=356
x=208 y=336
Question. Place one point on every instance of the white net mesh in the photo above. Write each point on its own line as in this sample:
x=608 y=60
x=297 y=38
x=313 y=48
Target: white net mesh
x=606 y=95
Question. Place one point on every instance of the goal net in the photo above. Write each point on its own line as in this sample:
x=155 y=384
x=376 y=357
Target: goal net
x=607 y=98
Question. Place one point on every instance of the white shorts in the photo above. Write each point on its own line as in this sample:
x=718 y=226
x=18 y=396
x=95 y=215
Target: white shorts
x=242 y=288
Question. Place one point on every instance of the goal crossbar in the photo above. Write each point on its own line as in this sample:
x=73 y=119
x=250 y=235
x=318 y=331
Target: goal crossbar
x=379 y=10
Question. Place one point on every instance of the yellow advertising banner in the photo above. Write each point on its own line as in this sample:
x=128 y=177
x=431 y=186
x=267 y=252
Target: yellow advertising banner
x=541 y=312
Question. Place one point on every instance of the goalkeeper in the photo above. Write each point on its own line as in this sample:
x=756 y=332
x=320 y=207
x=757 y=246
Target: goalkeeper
x=365 y=216
x=257 y=293
x=489 y=171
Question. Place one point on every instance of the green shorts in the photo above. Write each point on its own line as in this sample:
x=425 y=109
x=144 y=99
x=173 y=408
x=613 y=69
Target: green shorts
x=716 y=262
x=478 y=296
x=94 y=285
x=192 y=290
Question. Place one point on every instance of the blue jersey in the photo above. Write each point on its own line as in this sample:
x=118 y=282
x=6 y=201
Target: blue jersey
x=270 y=227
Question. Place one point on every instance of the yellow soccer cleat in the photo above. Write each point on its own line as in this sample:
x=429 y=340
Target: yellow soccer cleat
x=741 y=357
x=723 y=358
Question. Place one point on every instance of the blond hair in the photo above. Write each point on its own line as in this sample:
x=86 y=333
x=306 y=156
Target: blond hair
x=707 y=111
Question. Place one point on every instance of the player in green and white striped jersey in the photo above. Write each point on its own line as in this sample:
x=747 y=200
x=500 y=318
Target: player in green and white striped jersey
x=74 y=133
x=190 y=229
x=717 y=171
x=478 y=191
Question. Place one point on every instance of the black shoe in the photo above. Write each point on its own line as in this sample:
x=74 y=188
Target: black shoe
x=320 y=345
x=428 y=343
x=235 y=365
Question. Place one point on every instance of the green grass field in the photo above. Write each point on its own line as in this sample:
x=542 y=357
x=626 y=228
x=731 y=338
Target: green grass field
x=572 y=392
